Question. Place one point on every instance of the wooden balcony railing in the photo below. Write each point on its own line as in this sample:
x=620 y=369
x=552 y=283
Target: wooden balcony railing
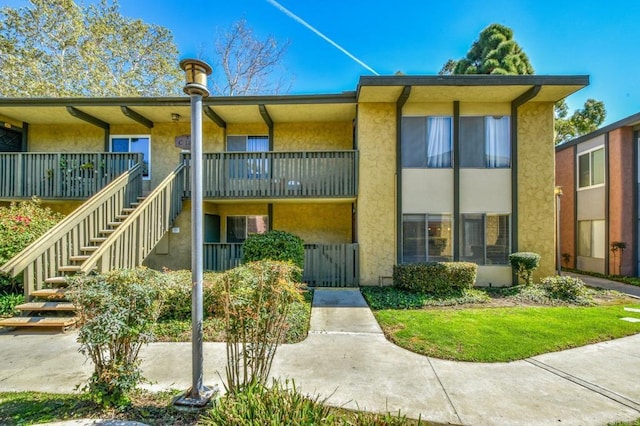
x=43 y=258
x=311 y=174
x=325 y=265
x=60 y=175
x=133 y=240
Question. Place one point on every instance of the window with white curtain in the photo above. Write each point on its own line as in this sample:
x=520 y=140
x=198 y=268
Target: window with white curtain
x=591 y=238
x=427 y=142
x=248 y=166
x=591 y=168
x=485 y=142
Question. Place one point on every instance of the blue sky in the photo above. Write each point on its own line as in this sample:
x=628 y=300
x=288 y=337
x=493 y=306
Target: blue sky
x=599 y=39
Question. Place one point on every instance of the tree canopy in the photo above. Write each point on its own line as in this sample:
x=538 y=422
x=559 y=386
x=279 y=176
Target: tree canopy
x=57 y=48
x=247 y=65
x=495 y=52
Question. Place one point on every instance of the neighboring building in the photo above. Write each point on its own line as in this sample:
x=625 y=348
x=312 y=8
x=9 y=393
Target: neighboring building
x=599 y=177
x=405 y=169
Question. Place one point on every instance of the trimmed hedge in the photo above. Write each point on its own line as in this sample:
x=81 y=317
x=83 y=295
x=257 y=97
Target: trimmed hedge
x=275 y=245
x=435 y=277
x=524 y=263
x=565 y=288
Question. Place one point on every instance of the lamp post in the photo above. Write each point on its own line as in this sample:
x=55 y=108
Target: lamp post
x=558 y=193
x=196 y=87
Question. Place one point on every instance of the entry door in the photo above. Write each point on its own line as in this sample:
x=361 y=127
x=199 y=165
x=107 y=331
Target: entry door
x=211 y=228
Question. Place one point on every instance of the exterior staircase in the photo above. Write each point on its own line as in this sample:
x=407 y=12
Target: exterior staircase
x=49 y=306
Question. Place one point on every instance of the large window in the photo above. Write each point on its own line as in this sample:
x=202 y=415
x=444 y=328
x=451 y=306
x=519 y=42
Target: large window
x=240 y=227
x=426 y=142
x=140 y=144
x=248 y=166
x=591 y=235
x=485 y=238
x=426 y=238
x=485 y=142
x=591 y=168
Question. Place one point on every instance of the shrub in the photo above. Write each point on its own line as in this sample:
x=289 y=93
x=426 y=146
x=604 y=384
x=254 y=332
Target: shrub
x=21 y=224
x=117 y=311
x=8 y=303
x=275 y=245
x=565 y=288
x=524 y=263
x=177 y=293
x=437 y=278
x=256 y=301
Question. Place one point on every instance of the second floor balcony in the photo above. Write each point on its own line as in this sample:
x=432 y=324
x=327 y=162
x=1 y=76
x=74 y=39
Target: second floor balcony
x=309 y=174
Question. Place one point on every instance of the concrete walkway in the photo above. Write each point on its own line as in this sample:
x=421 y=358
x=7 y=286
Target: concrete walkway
x=347 y=359
x=631 y=290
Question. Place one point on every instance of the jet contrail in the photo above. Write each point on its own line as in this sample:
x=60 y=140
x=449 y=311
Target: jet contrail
x=324 y=37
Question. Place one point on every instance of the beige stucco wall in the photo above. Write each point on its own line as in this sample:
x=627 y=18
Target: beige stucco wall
x=536 y=210
x=65 y=138
x=376 y=209
x=315 y=223
x=247 y=129
x=312 y=136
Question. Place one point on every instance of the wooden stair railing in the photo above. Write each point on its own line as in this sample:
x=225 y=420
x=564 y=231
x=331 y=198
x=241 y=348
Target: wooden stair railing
x=57 y=253
x=132 y=241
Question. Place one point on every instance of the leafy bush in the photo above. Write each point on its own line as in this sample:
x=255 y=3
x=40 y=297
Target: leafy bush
x=177 y=293
x=436 y=278
x=21 y=224
x=275 y=245
x=8 y=302
x=117 y=311
x=256 y=300
x=524 y=263
x=565 y=288
x=391 y=297
x=284 y=404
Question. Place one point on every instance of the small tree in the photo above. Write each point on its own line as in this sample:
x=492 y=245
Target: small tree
x=524 y=263
x=256 y=301
x=615 y=246
x=117 y=311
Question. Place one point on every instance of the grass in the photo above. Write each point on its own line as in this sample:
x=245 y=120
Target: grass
x=510 y=331
x=252 y=407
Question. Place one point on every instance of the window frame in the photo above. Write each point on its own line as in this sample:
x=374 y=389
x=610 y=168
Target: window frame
x=594 y=248
x=246 y=225
x=590 y=152
x=484 y=159
x=482 y=217
x=133 y=136
x=425 y=161
x=429 y=240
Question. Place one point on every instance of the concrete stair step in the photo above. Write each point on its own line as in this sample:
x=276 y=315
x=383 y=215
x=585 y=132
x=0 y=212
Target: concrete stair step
x=46 y=306
x=63 y=322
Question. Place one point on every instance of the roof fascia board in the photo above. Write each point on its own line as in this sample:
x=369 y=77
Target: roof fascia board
x=630 y=120
x=475 y=80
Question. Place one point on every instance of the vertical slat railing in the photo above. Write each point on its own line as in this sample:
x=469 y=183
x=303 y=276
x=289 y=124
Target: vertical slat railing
x=135 y=238
x=325 y=265
x=278 y=174
x=43 y=257
x=60 y=175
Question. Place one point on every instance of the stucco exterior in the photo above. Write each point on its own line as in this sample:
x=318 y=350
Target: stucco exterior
x=536 y=183
x=376 y=208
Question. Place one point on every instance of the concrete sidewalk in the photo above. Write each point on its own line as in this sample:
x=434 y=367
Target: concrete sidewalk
x=347 y=359
x=631 y=290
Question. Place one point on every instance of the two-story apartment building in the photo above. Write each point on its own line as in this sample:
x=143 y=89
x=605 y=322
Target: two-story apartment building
x=598 y=173
x=404 y=169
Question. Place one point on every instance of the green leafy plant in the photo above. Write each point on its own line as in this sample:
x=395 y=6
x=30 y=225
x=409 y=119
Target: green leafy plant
x=117 y=311
x=615 y=247
x=8 y=303
x=566 y=288
x=275 y=245
x=436 y=278
x=178 y=290
x=391 y=297
x=256 y=301
x=21 y=224
x=524 y=263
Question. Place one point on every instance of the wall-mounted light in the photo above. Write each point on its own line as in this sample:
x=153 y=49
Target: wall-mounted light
x=175 y=117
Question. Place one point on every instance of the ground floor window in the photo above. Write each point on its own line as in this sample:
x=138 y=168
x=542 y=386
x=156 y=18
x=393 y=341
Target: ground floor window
x=591 y=236
x=485 y=238
x=240 y=227
x=426 y=238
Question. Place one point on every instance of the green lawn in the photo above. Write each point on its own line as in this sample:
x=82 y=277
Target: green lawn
x=500 y=334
